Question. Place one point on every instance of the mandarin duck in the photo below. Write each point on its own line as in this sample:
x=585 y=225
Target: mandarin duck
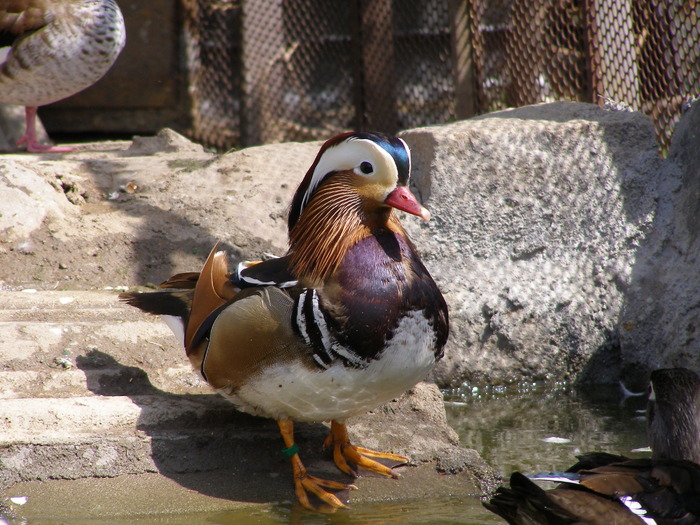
x=58 y=48
x=347 y=320
x=606 y=488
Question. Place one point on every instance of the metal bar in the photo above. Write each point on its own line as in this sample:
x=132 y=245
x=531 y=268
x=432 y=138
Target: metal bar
x=263 y=50
x=378 y=78
x=357 y=75
x=614 y=54
x=592 y=50
x=462 y=51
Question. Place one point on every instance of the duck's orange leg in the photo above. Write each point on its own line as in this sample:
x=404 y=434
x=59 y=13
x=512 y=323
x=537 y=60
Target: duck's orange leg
x=303 y=482
x=344 y=452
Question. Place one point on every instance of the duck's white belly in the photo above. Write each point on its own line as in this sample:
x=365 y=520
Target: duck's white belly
x=293 y=390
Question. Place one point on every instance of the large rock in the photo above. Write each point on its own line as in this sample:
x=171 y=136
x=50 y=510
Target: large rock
x=538 y=215
x=660 y=325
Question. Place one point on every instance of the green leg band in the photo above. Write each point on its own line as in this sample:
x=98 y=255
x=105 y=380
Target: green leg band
x=289 y=452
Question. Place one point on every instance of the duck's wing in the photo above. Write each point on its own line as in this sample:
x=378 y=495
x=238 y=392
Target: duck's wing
x=18 y=17
x=270 y=272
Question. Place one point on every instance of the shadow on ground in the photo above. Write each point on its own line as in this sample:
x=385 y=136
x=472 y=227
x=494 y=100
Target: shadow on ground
x=203 y=443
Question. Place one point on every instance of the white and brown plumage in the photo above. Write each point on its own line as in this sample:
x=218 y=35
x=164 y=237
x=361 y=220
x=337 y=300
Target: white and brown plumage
x=58 y=48
x=348 y=319
x=605 y=488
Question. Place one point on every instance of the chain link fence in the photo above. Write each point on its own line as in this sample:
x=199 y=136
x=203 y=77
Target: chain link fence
x=266 y=71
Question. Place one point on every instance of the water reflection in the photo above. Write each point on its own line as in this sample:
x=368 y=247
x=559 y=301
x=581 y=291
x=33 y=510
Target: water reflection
x=509 y=425
x=444 y=511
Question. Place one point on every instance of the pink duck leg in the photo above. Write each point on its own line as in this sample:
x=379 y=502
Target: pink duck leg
x=29 y=138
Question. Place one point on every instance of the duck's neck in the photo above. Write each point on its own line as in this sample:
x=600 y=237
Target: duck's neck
x=336 y=218
x=676 y=435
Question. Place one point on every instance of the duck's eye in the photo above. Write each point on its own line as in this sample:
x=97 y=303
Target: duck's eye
x=366 y=168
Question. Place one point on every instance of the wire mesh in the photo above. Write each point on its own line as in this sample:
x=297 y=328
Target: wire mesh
x=424 y=65
x=281 y=70
x=212 y=52
x=528 y=52
x=668 y=47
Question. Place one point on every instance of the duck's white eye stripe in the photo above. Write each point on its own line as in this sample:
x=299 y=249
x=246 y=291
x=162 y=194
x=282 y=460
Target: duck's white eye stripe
x=350 y=155
x=408 y=153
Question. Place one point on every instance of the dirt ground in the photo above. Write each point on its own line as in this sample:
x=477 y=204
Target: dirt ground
x=120 y=214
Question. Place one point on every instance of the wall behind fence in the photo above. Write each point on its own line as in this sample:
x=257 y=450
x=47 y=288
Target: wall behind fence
x=266 y=71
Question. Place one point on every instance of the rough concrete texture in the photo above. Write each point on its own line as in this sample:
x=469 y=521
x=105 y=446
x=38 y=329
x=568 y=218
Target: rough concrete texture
x=538 y=216
x=661 y=320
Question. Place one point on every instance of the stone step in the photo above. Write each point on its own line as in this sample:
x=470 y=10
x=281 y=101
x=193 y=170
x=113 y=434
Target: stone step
x=66 y=380
x=46 y=321
x=78 y=343
x=92 y=388
x=53 y=305
x=71 y=438
x=37 y=418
